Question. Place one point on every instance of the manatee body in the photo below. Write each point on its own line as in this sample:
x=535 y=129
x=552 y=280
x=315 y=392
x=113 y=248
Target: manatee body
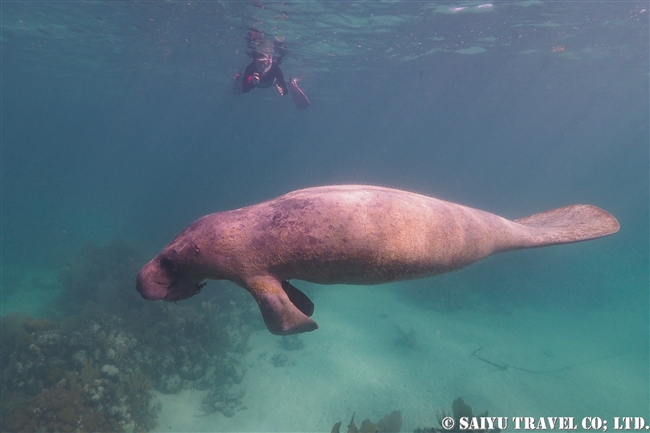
x=346 y=234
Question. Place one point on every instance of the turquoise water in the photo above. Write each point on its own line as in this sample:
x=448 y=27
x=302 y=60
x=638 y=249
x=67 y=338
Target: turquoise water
x=119 y=128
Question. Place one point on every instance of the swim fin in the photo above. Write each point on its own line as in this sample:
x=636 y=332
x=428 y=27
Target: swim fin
x=236 y=84
x=299 y=98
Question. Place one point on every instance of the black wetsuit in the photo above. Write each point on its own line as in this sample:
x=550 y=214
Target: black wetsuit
x=272 y=76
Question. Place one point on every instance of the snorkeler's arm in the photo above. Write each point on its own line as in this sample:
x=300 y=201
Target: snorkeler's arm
x=247 y=85
x=279 y=80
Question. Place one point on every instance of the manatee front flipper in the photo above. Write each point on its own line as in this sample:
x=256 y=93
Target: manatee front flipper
x=280 y=315
x=298 y=298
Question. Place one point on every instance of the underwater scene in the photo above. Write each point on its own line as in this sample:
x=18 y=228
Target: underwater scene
x=324 y=216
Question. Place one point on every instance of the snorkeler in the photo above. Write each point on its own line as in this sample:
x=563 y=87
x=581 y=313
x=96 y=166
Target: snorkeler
x=264 y=70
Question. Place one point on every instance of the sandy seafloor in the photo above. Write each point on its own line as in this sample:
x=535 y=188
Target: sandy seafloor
x=352 y=364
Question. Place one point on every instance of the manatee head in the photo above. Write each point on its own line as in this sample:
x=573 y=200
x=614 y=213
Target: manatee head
x=164 y=278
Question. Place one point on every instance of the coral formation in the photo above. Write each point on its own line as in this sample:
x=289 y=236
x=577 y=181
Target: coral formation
x=223 y=399
x=54 y=384
x=406 y=339
x=389 y=424
x=279 y=360
x=459 y=409
x=291 y=342
x=101 y=274
x=393 y=423
x=93 y=366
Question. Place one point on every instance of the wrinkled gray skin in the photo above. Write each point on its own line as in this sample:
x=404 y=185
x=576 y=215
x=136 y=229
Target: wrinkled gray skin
x=347 y=234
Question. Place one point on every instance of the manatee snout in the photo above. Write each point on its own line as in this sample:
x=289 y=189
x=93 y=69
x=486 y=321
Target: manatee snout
x=152 y=282
x=155 y=283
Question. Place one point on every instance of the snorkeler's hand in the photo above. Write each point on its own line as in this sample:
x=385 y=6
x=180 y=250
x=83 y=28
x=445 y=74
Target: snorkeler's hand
x=280 y=90
x=255 y=78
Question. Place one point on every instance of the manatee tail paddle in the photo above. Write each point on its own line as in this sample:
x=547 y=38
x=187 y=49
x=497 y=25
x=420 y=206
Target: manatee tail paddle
x=568 y=224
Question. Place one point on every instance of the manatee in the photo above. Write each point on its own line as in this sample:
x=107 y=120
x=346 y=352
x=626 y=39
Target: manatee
x=346 y=234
